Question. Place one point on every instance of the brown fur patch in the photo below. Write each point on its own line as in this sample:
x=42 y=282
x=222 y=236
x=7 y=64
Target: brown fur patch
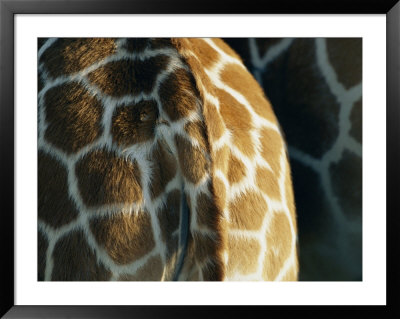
x=221 y=159
x=171 y=257
x=191 y=159
x=236 y=170
x=207 y=212
x=238 y=121
x=74 y=260
x=212 y=273
x=42 y=251
x=248 y=211
x=205 y=248
x=138 y=45
x=134 y=123
x=73 y=116
x=127 y=76
x=54 y=204
x=178 y=94
x=197 y=131
x=204 y=52
x=180 y=43
x=219 y=193
x=279 y=243
x=268 y=183
x=214 y=122
x=125 y=237
x=104 y=178
x=242 y=81
x=163 y=171
x=194 y=276
x=243 y=255
x=189 y=263
x=151 y=271
x=160 y=43
x=272 y=144
x=169 y=215
x=200 y=248
x=71 y=55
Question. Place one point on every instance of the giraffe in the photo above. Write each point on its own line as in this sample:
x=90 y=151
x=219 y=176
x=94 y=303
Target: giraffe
x=322 y=119
x=159 y=160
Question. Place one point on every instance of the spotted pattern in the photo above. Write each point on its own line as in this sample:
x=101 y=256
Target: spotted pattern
x=71 y=55
x=321 y=118
x=72 y=264
x=119 y=78
x=250 y=181
x=55 y=206
x=136 y=128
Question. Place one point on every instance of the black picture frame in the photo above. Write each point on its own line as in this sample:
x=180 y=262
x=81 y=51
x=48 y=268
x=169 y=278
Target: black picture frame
x=8 y=9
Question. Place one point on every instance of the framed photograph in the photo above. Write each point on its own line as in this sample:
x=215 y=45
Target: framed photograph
x=183 y=159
